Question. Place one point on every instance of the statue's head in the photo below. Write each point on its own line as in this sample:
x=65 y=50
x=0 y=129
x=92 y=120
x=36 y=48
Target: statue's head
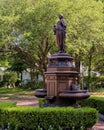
x=61 y=16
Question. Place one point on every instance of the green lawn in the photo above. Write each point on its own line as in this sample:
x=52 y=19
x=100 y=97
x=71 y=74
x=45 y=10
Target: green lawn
x=16 y=93
x=14 y=90
x=7 y=104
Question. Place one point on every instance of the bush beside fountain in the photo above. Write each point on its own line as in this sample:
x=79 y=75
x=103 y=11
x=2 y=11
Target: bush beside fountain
x=30 y=118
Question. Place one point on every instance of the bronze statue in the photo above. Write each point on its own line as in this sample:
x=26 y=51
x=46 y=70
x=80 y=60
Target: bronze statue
x=60 y=32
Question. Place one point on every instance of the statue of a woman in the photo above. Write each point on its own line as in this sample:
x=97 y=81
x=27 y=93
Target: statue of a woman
x=60 y=32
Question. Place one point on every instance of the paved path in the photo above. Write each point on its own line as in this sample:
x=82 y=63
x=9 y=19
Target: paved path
x=23 y=102
x=98 y=126
x=34 y=102
x=27 y=103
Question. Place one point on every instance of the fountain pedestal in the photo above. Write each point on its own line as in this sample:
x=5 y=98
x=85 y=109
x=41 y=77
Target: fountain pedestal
x=61 y=82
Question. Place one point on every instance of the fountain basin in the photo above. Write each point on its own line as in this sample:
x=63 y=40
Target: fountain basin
x=41 y=93
x=74 y=95
x=70 y=94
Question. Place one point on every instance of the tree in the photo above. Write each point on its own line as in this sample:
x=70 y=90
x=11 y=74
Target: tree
x=34 y=39
x=99 y=60
x=18 y=67
x=85 y=32
x=31 y=22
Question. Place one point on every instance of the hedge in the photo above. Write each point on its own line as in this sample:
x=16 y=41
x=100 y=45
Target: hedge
x=94 y=102
x=30 y=118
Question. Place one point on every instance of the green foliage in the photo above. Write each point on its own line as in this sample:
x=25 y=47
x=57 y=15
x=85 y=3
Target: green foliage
x=33 y=85
x=95 y=82
x=85 y=26
x=41 y=102
x=12 y=90
x=38 y=84
x=10 y=78
x=3 y=121
x=7 y=104
x=29 y=24
x=85 y=33
x=95 y=102
x=17 y=66
x=32 y=118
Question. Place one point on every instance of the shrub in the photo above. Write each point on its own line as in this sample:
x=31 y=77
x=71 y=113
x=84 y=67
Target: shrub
x=100 y=82
x=95 y=82
x=41 y=101
x=3 y=84
x=5 y=105
x=33 y=84
x=39 y=85
x=31 y=118
x=94 y=102
x=10 y=78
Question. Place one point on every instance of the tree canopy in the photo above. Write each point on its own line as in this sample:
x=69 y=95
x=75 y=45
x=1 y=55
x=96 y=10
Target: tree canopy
x=26 y=27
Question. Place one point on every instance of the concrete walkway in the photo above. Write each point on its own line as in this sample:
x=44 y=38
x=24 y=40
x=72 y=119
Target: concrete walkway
x=27 y=103
x=100 y=124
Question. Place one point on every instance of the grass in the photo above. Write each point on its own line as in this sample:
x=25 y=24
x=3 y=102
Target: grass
x=7 y=104
x=13 y=90
x=16 y=93
x=99 y=90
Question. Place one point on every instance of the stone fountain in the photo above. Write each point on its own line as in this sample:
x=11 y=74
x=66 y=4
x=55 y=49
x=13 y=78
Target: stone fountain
x=61 y=76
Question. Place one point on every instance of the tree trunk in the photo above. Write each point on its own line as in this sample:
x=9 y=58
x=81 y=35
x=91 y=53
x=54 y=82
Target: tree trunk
x=77 y=62
x=90 y=57
x=89 y=71
x=21 y=77
x=32 y=74
x=77 y=65
x=89 y=67
x=44 y=82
